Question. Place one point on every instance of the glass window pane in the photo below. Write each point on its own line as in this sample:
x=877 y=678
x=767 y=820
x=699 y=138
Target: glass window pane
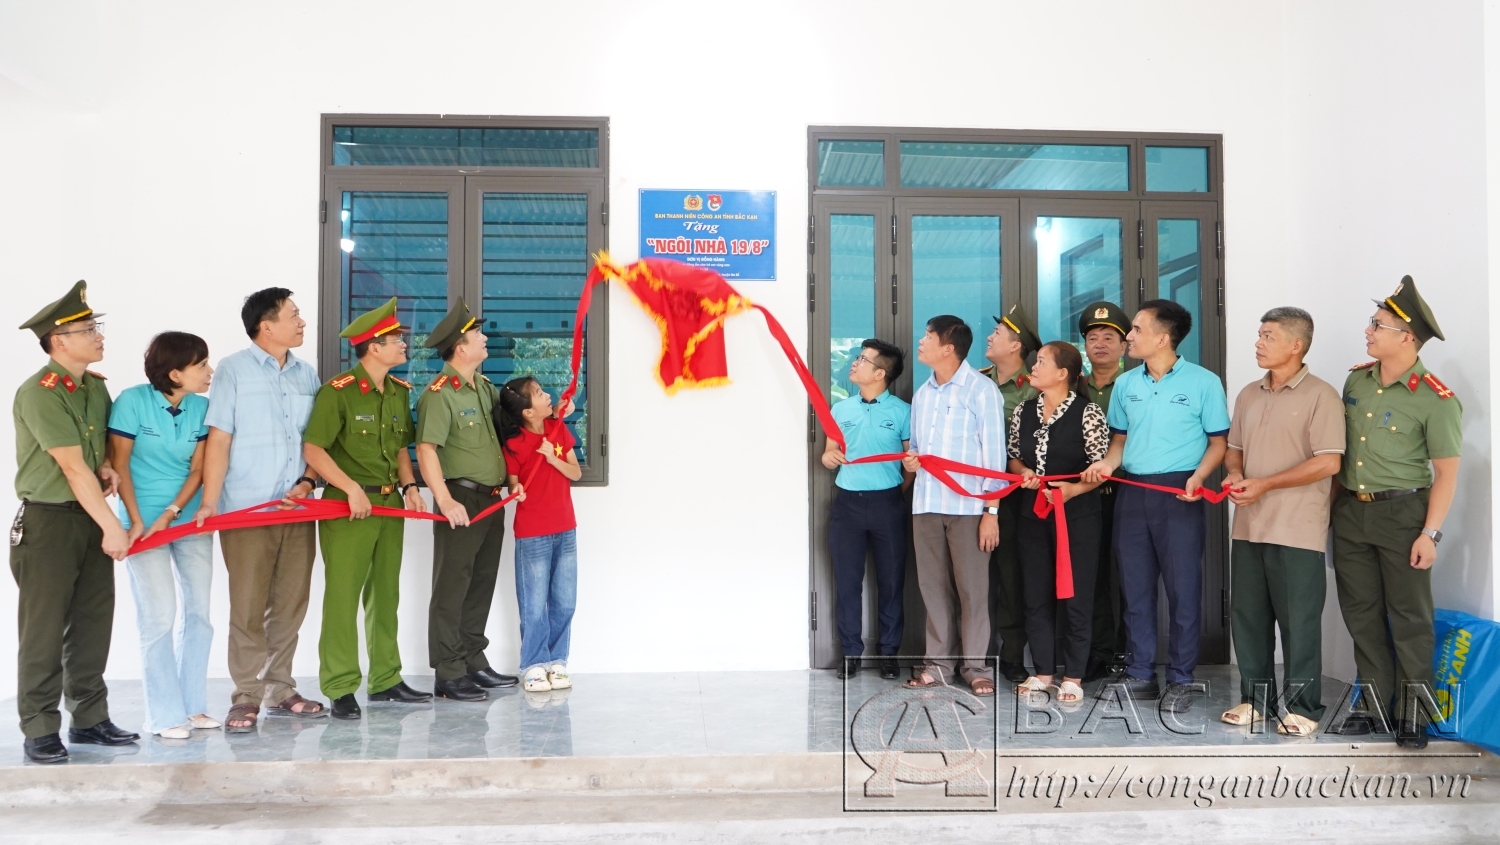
x=535 y=256
x=1180 y=169
x=852 y=278
x=859 y=164
x=396 y=244
x=955 y=269
x=424 y=146
x=1019 y=167
x=1178 y=270
x=1078 y=261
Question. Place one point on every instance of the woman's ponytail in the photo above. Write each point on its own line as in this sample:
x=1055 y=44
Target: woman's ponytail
x=515 y=397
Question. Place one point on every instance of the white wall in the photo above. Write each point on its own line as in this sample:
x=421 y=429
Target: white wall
x=168 y=153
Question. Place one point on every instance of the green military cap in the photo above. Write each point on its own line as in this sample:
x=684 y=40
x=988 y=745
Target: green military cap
x=1016 y=320
x=1103 y=313
x=451 y=328
x=1409 y=305
x=373 y=324
x=71 y=307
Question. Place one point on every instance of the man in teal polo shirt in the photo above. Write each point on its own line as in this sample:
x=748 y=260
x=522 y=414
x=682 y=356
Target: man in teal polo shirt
x=869 y=511
x=1170 y=421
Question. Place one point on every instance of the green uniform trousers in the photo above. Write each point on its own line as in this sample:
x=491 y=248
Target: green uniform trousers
x=66 y=611
x=1384 y=600
x=361 y=566
x=465 y=563
x=1007 y=600
x=1278 y=586
x=1108 y=641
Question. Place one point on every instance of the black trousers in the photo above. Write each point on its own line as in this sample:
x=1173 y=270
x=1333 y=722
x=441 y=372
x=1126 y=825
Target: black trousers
x=1007 y=599
x=1109 y=605
x=66 y=612
x=873 y=521
x=1039 y=577
x=465 y=564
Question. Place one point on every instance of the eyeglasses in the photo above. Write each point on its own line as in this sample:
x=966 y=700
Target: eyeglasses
x=94 y=331
x=863 y=360
x=1376 y=324
x=388 y=339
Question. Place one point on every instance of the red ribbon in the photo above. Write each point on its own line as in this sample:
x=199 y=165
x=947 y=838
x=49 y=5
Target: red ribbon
x=942 y=469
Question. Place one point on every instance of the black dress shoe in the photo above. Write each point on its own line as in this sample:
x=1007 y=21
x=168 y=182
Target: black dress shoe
x=1137 y=688
x=345 y=707
x=1411 y=735
x=46 y=749
x=490 y=679
x=1095 y=670
x=461 y=688
x=400 y=693
x=1013 y=672
x=889 y=669
x=1178 y=698
x=104 y=733
x=1355 y=724
x=848 y=668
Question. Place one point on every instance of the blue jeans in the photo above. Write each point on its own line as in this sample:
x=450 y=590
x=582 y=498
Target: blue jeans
x=546 y=592
x=176 y=671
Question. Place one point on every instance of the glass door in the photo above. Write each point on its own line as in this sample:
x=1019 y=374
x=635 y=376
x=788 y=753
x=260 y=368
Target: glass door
x=1078 y=252
x=954 y=256
x=851 y=294
x=530 y=245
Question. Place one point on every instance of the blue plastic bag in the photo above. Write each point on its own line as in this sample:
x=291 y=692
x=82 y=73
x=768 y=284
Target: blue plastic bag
x=1466 y=679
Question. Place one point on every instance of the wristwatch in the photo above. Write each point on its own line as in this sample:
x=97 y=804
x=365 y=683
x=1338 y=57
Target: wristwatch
x=1436 y=535
x=406 y=487
x=310 y=483
x=992 y=510
x=176 y=511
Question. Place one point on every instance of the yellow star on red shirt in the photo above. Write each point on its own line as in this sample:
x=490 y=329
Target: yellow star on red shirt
x=557 y=450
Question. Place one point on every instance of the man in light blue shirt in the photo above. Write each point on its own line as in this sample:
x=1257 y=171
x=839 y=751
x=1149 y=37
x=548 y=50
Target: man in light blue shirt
x=869 y=511
x=1170 y=420
x=257 y=409
x=956 y=414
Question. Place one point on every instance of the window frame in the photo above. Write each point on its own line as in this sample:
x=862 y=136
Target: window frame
x=464 y=268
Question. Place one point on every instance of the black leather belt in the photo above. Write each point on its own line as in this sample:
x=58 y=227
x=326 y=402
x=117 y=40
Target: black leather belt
x=485 y=489
x=1384 y=494
x=382 y=489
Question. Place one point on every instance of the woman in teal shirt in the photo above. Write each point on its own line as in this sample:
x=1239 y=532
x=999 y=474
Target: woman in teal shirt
x=157 y=435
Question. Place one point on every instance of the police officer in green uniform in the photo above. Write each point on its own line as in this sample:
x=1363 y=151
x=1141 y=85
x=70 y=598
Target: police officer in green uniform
x=1103 y=327
x=458 y=452
x=65 y=535
x=356 y=438
x=1010 y=344
x=1397 y=483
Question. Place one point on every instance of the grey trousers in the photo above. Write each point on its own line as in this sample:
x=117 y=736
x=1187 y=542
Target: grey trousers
x=954 y=576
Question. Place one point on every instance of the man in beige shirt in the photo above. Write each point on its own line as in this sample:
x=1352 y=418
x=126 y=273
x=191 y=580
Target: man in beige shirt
x=1286 y=441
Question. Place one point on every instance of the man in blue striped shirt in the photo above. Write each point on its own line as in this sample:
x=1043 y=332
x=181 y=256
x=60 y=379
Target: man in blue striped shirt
x=956 y=414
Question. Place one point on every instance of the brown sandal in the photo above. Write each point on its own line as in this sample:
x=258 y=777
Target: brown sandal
x=241 y=713
x=925 y=679
x=983 y=687
x=310 y=709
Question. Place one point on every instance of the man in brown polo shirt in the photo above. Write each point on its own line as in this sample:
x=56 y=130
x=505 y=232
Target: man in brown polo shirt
x=1286 y=441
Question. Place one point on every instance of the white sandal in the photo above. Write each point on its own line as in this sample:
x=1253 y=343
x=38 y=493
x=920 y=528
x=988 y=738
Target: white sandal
x=1069 y=692
x=179 y=732
x=1294 y=724
x=204 y=722
x=536 y=680
x=1242 y=714
x=1031 y=685
x=557 y=676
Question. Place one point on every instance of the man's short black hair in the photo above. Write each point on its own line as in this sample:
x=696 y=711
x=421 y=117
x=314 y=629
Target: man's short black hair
x=888 y=357
x=951 y=330
x=1170 y=317
x=260 y=306
x=361 y=348
x=170 y=351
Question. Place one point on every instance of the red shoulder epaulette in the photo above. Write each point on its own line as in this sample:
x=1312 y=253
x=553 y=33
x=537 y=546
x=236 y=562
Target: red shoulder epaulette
x=437 y=383
x=99 y=376
x=49 y=381
x=1365 y=366
x=401 y=381
x=1437 y=387
x=1022 y=379
x=341 y=382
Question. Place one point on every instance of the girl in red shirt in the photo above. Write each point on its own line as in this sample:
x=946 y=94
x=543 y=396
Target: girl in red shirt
x=539 y=452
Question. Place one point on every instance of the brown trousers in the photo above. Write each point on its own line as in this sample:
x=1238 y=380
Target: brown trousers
x=954 y=576
x=270 y=572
